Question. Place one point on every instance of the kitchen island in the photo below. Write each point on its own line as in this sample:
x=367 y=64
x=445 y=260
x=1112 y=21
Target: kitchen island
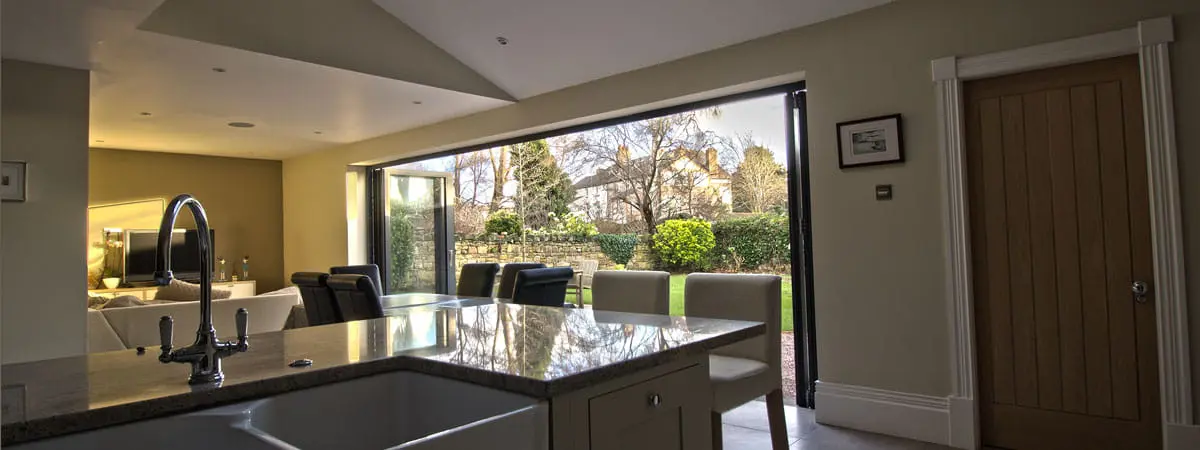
x=597 y=379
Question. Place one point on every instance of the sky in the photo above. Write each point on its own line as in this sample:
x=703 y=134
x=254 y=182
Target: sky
x=762 y=117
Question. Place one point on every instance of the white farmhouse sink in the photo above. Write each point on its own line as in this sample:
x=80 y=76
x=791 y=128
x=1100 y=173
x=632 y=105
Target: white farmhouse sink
x=401 y=410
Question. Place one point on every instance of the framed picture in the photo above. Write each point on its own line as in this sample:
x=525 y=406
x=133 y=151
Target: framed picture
x=866 y=142
x=12 y=181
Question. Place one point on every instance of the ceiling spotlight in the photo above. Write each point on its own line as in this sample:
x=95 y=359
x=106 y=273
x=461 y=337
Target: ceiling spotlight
x=317 y=132
x=218 y=69
x=143 y=113
x=417 y=102
x=241 y=124
x=99 y=141
x=502 y=40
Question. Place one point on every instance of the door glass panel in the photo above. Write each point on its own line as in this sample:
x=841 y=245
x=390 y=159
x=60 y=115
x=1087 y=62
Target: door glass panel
x=412 y=235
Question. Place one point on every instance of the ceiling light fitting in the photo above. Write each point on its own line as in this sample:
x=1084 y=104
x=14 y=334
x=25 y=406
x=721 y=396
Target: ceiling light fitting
x=218 y=69
x=502 y=40
x=144 y=113
x=418 y=102
x=241 y=124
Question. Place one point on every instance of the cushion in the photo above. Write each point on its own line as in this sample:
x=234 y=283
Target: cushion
x=182 y=291
x=123 y=302
x=723 y=369
x=97 y=301
x=291 y=290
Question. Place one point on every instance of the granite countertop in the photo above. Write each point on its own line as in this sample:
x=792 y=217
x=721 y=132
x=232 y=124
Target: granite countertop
x=537 y=351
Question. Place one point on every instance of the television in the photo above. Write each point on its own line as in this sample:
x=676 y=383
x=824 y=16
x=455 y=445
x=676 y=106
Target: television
x=141 y=255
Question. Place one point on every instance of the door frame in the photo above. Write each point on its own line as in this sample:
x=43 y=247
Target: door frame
x=1150 y=40
x=443 y=223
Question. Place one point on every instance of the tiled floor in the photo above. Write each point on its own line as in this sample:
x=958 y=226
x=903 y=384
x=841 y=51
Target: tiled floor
x=746 y=429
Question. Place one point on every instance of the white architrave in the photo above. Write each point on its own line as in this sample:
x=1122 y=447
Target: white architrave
x=1150 y=40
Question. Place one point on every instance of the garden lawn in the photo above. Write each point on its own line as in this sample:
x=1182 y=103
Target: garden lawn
x=677 y=298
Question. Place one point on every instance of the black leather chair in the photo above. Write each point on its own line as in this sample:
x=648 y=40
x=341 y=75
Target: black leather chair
x=543 y=287
x=477 y=279
x=508 y=277
x=319 y=303
x=357 y=298
x=370 y=270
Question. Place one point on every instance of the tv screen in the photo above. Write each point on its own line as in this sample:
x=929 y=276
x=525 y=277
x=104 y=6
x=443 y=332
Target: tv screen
x=141 y=255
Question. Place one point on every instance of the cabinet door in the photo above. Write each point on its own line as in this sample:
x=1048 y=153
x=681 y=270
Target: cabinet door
x=668 y=412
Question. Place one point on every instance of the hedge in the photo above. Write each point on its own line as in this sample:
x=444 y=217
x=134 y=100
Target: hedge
x=684 y=243
x=748 y=243
x=617 y=247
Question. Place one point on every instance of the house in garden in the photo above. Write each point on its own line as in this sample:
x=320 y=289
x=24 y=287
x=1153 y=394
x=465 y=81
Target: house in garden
x=678 y=182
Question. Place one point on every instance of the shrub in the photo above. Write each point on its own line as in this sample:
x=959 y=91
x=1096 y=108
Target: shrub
x=503 y=222
x=568 y=224
x=684 y=243
x=618 y=247
x=402 y=248
x=748 y=243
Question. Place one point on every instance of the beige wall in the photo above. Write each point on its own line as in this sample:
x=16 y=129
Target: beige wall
x=45 y=119
x=242 y=197
x=878 y=265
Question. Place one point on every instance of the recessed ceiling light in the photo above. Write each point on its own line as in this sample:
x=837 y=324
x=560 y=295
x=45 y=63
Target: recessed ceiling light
x=99 y=141
x=218 y=69
x=144 y=113
x=502 y=40
x=241 y=124
x=417 y=102
x=317 y=132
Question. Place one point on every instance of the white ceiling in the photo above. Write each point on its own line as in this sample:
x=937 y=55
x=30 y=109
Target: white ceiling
x=554 y=44
x=287 y=100
x=350 y=69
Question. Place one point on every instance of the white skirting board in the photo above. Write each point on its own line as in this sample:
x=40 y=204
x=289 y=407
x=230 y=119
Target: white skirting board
x=941 y=420
x=913 y=416
x=1182 y=437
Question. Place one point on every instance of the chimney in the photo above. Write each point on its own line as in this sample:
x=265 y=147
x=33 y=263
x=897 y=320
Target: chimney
x=711 y=153
x=622 y=155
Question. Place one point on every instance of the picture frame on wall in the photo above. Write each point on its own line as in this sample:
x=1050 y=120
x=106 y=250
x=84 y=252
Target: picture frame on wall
x=12 y=181
x=870 y=141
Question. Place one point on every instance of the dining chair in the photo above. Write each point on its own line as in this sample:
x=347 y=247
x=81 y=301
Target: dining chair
x=370 y=270
x=357 y=298
x=477 y=279
x=743 y=371
x=508 y=277
x=635 y=291
x=319 y=305
x=542 y=287
x=583 y=279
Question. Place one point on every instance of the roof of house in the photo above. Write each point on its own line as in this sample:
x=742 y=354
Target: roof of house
x=606 y=176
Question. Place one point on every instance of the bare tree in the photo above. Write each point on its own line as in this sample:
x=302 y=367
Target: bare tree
x=759 y=183
x=641 y=157
x=500 y=169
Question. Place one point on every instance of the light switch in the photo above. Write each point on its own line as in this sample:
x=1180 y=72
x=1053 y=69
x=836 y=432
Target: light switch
x=883 y=192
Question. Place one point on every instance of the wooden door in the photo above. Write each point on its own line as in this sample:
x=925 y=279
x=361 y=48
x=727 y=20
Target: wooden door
x=1060 y=230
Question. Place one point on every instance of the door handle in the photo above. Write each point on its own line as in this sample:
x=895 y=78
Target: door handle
x=1140 y=291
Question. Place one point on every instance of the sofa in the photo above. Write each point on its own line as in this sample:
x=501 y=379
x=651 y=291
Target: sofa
x=130 y=327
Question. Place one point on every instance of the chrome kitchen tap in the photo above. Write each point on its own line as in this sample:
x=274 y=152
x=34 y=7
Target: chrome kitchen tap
x=205 y=354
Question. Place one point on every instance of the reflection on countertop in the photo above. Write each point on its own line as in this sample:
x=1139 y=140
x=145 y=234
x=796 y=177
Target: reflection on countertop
x=536 y=351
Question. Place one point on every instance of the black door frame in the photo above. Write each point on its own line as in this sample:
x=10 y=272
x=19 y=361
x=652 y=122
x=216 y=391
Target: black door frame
x=443 y=219
x=799 y=203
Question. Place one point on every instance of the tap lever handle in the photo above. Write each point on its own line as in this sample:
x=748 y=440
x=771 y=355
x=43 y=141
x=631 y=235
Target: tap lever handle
x=166 y=327
x=243 y=323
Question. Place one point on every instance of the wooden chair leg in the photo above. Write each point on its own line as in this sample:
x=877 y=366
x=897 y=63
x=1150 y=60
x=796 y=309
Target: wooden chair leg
x=717 y=442
x=777 y=420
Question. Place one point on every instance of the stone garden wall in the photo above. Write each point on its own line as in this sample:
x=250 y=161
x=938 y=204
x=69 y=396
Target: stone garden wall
x=547 y=252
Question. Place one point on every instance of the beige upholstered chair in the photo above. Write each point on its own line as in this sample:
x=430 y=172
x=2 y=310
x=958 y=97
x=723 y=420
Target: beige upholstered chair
x=746 y=370
x=583 y=279
x=635 y=291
